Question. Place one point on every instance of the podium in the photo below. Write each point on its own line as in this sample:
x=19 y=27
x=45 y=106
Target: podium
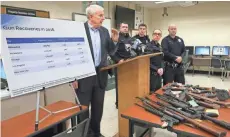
x=133 y=76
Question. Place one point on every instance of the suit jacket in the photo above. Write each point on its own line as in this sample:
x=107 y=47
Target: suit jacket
x=107 y=48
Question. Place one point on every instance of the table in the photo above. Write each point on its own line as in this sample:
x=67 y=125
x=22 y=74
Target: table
x=23 y=125
x=138 y=116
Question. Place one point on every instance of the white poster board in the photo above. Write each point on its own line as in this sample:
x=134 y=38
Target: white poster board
x=82 y=18
x=39 y=52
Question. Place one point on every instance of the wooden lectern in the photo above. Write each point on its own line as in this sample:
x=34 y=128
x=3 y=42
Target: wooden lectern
x=133 y=80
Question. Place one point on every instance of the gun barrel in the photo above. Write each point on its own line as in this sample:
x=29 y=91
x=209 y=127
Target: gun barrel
x=161 y=109
x=215 y=106
x=225 y=104
x=176 y=104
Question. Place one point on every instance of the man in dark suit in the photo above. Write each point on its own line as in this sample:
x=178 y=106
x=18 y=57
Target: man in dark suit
x=91 y=90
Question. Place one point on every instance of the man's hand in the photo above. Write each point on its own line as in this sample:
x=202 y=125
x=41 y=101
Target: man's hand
x=75 y=85
x=160 y=71
x=120 y=61
x=178 y=59
x=115 y=35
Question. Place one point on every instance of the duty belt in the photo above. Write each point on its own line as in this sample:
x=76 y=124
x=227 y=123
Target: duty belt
x=173 y=65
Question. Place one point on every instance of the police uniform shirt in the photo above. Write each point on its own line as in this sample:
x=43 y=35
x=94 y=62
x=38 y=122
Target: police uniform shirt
x=124 y=44
x=155 y=61
x=144 y=39
x=172 y=47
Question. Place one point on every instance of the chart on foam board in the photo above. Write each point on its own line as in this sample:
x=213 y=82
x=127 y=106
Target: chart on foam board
x=40 y=53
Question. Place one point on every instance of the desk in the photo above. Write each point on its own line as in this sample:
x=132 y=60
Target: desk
x=138 y=116
x=23 y=125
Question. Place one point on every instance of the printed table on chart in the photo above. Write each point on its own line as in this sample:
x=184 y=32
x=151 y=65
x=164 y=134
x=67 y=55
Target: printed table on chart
x=30 y=55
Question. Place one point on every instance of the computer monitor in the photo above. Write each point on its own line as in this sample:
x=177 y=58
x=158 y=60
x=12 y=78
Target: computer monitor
x=190 y=49
x=202 y=50
x=220 y=50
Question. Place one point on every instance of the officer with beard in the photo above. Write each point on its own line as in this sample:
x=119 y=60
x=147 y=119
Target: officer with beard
x=156 y=62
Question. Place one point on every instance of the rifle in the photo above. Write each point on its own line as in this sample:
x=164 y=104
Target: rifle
x=204 y=116
x=164 y=110
x=225 y=104
x=176 y=104
x=171 y=121
x=170 y=107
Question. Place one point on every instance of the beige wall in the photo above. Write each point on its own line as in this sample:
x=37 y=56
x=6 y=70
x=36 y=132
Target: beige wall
x=64 y=10
x=203 y=24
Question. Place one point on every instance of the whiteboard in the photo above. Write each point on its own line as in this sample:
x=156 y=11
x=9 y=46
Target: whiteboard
x=83 y=18
x=40 y=52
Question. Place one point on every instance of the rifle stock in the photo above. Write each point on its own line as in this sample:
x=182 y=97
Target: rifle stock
x=218 y=122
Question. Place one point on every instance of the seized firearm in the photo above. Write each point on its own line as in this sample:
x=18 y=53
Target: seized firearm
x=198 y=97
x=185 y=106
x=164 y=110
x=170 y=107
x=170 y=120
x=200 y=116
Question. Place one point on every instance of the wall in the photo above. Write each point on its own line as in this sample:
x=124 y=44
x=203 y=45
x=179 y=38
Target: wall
x=203 y=24
x=64 y=10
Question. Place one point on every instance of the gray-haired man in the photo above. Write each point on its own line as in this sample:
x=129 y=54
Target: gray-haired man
x=91 y=90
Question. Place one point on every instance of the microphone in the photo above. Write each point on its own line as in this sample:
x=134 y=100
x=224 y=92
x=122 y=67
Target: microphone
x=136 y=43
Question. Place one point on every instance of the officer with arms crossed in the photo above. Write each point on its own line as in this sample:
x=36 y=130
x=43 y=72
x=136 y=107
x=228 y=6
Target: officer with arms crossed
x=156 y=62
x=142 y=28
x=91 y=90
x=124 y=42
x=173 y=48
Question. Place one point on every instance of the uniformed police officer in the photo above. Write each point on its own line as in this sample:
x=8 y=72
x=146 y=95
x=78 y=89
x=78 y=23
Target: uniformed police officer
x=142 y=28
x=124 y=43
x=173 y=48
x=156 y=62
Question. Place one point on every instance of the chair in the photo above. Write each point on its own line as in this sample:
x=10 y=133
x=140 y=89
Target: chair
x=79 y=130
x=227 y=68
x=217 y=63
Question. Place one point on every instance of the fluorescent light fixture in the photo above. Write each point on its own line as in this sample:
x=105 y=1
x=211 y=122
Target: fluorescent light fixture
x=159 y=2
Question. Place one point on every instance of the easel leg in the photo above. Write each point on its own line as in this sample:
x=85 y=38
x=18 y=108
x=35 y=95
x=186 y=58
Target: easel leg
x=37 y=111
x=76 y=97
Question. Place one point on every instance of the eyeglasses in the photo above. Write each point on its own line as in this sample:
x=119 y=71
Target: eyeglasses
x=159 y=34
